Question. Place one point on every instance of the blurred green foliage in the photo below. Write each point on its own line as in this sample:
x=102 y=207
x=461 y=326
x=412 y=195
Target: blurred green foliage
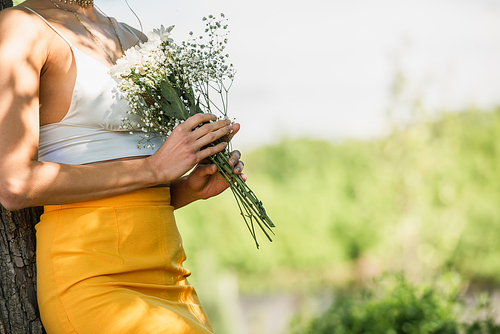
x=393 y=305
x=420 y=199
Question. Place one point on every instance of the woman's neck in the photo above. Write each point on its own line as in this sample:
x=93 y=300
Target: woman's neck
x=88 y=11
x=80 y=3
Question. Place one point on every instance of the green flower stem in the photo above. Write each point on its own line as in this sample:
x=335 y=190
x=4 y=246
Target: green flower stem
x=251 y=208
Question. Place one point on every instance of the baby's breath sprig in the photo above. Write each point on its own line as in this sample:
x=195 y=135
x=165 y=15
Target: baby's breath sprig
x=166 y=83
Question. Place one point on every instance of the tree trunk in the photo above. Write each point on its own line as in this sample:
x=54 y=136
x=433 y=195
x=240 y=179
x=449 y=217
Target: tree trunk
x=18 y=305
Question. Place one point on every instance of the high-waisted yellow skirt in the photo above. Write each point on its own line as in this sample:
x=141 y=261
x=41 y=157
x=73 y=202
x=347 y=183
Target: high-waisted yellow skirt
x=115 y=266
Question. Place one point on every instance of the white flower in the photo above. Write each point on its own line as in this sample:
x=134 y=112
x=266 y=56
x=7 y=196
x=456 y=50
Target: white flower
x=133 y=57
x=121 y=68
x=151 y=45
x=162 y=33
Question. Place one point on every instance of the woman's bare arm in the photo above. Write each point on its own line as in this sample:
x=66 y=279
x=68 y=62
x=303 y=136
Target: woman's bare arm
x=26 y=182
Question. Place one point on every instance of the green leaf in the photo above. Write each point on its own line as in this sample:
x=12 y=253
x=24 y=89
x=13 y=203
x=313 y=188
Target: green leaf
x=194 y=107
x=198 y=109
x=171 y=103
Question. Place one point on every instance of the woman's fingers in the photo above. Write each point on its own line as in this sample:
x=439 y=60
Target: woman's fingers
x=213 y=127
x=235 y=157
x=235 y=161
x=209 y=133
x=211 y=150
x=203 y=170
x=235 y=129
x=239 y=167
x=193 y=121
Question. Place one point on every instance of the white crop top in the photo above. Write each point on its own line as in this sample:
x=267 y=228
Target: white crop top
x=91 y=131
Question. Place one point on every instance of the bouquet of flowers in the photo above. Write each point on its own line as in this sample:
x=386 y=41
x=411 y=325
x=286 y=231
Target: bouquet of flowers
x=166 y=83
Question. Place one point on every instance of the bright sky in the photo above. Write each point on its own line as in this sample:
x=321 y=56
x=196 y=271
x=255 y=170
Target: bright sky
x=324 y=68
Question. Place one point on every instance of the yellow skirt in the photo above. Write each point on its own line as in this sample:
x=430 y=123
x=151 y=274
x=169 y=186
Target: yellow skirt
x=115 y=266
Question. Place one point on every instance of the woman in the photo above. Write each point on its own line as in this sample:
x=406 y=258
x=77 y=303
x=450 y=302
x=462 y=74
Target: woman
x=109 y=255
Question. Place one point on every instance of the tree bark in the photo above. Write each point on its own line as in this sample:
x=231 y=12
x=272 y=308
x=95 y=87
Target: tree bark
x=18 y=304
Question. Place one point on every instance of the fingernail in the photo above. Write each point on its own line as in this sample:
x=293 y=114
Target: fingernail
x=232 y=161
x=238 y=170
x=228 y=122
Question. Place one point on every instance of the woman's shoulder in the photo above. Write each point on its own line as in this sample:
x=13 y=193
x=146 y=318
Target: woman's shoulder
x=18 y=16
x=18 y=23
x=23 y=36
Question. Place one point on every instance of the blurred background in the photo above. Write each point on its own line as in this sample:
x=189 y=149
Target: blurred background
x=369 y=131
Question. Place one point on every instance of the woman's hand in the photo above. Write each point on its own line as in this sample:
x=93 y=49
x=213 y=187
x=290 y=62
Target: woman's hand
x=183 y=148
x=204 y=181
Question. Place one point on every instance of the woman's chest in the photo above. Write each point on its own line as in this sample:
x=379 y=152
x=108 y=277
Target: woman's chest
x=86 y=96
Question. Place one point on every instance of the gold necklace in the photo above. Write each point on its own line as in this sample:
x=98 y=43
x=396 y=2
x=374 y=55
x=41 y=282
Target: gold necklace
x=88 y=30
x=82 y=3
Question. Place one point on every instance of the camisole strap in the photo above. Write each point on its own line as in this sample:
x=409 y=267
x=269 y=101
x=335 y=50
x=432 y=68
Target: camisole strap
x=50 y=25
x=130 y=30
